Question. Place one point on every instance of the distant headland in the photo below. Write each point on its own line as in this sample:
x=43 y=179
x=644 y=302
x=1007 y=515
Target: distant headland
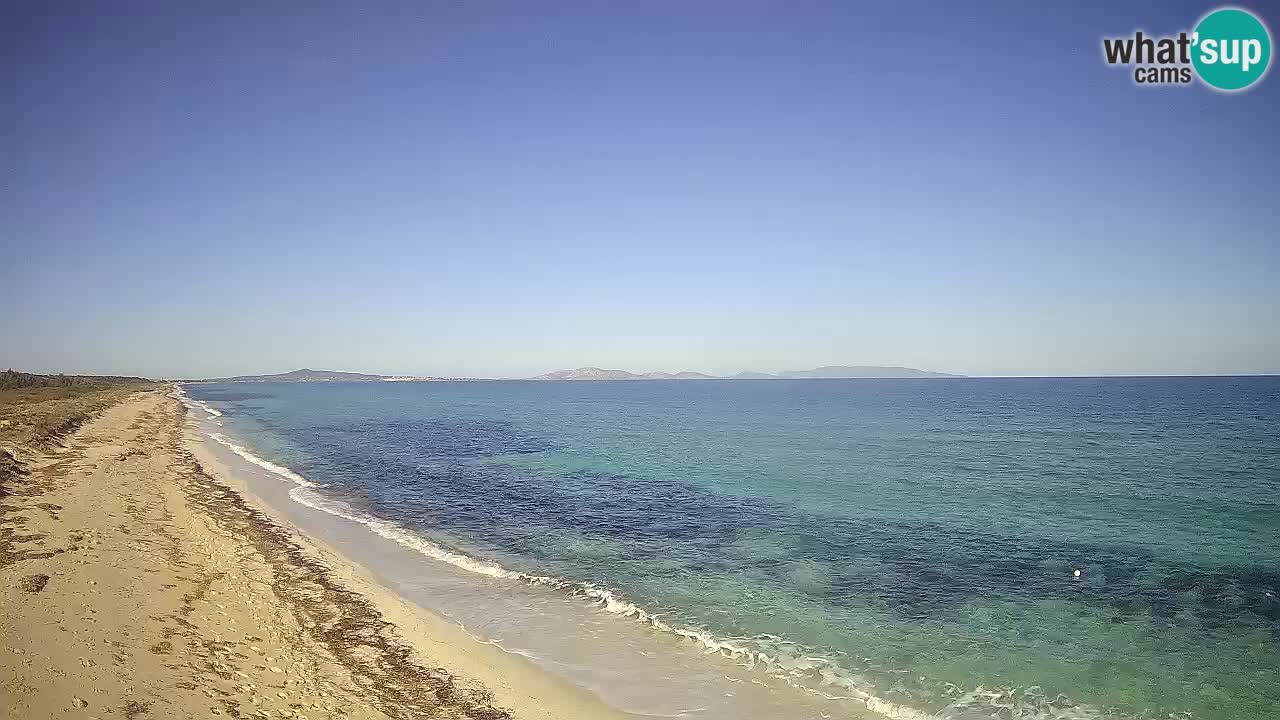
x=309 y=375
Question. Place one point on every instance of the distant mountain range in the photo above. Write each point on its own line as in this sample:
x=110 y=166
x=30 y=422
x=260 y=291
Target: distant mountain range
x=827 y=371
x=595 y=373
x=863 y=371
x=309 y=375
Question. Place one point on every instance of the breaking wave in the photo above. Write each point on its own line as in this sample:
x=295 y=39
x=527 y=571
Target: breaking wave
x=193 y=404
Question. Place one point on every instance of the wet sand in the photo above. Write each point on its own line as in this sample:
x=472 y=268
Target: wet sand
x=136 y=582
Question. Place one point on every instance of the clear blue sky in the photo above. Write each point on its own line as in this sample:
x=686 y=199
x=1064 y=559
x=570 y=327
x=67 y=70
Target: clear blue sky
x=480 y=188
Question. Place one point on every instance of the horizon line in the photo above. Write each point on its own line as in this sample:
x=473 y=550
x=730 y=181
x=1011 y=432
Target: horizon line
x=476 y=378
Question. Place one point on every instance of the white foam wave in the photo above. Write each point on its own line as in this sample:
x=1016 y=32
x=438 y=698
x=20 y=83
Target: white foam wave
x=192 y=403
x=267 y=465
x=786 y=661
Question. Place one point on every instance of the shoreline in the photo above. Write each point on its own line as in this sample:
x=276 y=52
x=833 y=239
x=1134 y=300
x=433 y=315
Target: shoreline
x=513 y=679
x=354 y=501
x=732 y=681
x=138 y=583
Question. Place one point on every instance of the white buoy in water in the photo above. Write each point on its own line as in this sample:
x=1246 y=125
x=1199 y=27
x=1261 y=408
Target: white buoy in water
x=1077 y=572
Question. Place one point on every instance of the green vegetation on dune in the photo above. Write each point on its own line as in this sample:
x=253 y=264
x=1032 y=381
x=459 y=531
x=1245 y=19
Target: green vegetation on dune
x=12 y=379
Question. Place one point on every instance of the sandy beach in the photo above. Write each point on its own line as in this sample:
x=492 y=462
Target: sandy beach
x=137 y=581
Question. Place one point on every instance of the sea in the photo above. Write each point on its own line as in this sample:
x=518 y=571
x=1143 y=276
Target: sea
x=759 y=549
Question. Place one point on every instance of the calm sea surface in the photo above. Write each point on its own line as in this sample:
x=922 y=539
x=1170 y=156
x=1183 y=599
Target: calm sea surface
x=918 y=540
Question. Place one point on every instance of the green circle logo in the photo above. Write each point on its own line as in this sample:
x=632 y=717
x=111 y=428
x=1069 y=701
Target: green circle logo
x=1232 y=49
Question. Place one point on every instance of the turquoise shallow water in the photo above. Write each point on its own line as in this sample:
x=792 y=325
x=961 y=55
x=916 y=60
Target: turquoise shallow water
x=916 y=538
